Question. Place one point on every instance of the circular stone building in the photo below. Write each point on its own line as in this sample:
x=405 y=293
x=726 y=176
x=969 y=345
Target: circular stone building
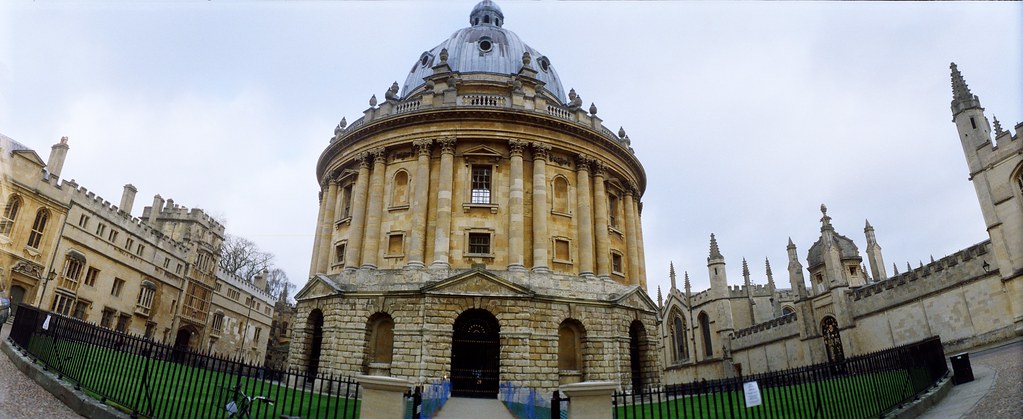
x=481 y=225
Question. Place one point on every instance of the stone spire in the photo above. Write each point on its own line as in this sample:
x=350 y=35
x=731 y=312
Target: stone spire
x=671 y=274
x=877 y=269
x=660 y=300
x=770 y=275
x=716 y=271
x=998 y=127
x=689 y=287
x=962 y=98
x=745 y=273
x=715 y=253
x=796 y=280
x=895 y=268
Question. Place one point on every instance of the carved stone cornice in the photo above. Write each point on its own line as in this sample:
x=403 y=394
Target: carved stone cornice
x=516 y=147
x=447 y=145
x=541 y=151
x=423 y=146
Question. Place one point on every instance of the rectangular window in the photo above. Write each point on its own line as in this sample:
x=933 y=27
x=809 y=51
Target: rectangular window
x=616 y=263
x=178 y=269
x=90 y=276
x=72 y=273
x=150 y=329
x=62 y=304
x=255 y=337
x=118 y=286
x=479 y=243
x=100 y=229
x=481 y=177
x=339 y=253
x=128 y=243
x=562 y=251
x=139 y=249
x=108 y=317
x=612 y=210
x=395 y=244
x=122 y=322
x=112 y=237
x=81 y=308
x=346 y=202
x=166 y=263
x=218 y=322
x=83 y=221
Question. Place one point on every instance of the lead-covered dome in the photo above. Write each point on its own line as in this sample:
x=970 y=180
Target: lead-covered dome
x=485 y=47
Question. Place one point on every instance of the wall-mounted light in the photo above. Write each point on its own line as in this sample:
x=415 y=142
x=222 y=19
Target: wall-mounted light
x=986 y=266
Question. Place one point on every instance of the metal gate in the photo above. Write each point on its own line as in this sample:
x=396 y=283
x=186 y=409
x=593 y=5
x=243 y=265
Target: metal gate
x=832 y=339
x=475 y=355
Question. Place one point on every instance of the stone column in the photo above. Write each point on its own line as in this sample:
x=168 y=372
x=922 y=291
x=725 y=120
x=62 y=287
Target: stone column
x=600 y=221
x=630 y=235
x=541 y=152
x=314 y=261
x=420 y=201
x=383 y=397
x=442 y=239
x=639 y=241
x=590 y=399
x=353 y=251
x=374 y=207
x=327 y=227
x=516 y=229
x=585 y=213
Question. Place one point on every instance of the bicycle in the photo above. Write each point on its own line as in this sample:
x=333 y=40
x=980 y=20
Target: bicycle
x=240 y=405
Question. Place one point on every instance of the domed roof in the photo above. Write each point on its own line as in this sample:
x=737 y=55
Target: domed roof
x=846 y=250
x=485 y=47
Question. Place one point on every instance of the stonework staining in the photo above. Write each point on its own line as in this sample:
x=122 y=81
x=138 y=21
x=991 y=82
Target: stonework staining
x=478 y=202
x=969 y=298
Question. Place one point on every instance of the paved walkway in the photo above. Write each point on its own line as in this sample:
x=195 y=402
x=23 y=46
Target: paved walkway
x=20 y=397
x=995 y=391
x=465 y=408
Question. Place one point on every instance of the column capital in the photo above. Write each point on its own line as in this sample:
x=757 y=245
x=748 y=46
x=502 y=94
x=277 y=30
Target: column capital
x=599 y=168
x=378 y=155
x=363 y=159
x=541 y=151
x=516 y=147
x=447 y=145
x=631 y=188
x=423 y=146
x=583 y=162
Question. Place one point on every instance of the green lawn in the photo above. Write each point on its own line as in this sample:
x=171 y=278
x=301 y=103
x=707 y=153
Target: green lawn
x=859 y=396
x=177 y=390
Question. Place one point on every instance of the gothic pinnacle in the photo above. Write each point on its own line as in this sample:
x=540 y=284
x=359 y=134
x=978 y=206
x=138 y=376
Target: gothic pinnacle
x=868 y=226
x=688 y=286
x=660 y=300
x=767 y=265
x=671 y=274
x=745 y=269
x=998 y=127
x=962 y=98
x=715 y=253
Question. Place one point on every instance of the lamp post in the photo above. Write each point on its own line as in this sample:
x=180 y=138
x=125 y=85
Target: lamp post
x=46 y=281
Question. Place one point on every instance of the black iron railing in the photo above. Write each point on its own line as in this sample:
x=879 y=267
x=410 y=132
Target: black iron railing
x=860 y=387
x=148 y=379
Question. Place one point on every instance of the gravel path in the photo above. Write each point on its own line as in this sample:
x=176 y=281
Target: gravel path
x=1005 y=399
x=20 y=397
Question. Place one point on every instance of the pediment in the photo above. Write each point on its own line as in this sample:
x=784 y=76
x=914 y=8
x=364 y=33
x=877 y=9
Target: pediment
x=318 y=286
x=478 y=283
x=482 y=151
x=636 y=298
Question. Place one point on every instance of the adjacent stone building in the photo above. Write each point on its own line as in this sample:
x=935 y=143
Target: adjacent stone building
x=479 y=223
x=69 y=251
x=969 y=298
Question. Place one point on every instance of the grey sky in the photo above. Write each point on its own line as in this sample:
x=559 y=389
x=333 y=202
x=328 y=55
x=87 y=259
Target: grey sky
x=746 y=116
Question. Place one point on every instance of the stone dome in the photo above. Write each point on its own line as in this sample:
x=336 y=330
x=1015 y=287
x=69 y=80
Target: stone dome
x=846 y=250
x=485 y=47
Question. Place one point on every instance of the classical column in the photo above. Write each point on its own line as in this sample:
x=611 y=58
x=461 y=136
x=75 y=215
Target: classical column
x=585 y=213
x=541 y=152
x=327 y=228
x=516 y=229
x=639 y=241
x=353 y=250
x=314 y=261
x=442 y=240
x=630 y=234
x=600 y=220
x=417 y=241
x=374 y=206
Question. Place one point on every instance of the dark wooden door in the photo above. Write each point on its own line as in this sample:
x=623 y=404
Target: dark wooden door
x=475 y=355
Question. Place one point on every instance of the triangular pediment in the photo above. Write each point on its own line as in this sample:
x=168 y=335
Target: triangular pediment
x=636 y=297
x=318 y=286
x=481 y=283
x=482 y=151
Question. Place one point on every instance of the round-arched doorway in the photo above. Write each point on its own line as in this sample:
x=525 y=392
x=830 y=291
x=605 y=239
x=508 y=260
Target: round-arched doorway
x=832 y=339
x=315 y=330
x=475 y=355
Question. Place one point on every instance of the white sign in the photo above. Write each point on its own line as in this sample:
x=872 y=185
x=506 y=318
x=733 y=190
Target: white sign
x=752 y=391
x=46 y=323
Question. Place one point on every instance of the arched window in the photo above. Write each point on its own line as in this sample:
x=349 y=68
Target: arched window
x=10 y=213
x=399 y=189
x=37 y=228
x=708 y=346
x=560 y=195
x=679 y=338
x=380 y=338
x=570 y=346
x=786 y=310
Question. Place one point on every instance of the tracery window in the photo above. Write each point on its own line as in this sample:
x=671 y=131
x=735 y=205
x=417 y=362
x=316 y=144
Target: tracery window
x=146 y=295
x=10 y=213
x=37 y=228
x=708 y=346
x=74 y=263
x=680 y=347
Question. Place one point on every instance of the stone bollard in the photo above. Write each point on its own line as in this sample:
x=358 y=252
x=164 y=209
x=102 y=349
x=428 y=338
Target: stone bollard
x=590 y=399
x=382 y=397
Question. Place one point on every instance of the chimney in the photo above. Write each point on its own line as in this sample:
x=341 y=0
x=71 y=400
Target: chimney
x=170 y=204
x=57 y=154
x=260 y=279
x=128 y=198
x=155 y=210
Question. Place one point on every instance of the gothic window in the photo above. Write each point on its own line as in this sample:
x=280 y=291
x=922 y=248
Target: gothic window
x=570 y=346
x=560 y=187
x=482 y=175
x=786 y=310
x=74 y=263
x=832 y=339
x=10 y=213
x=37 y=228
x=380 y=338
x=680 y=347
x=1019 y=183
x=708 y=345
x=146 y=296
x=400 y=189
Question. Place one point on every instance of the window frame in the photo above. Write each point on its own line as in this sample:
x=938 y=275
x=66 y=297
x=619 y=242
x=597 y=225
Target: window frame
x=399 y=202
x=554 y=250
x=10 y=215
x=567 y=199
x=479 y=232
x=387 y=247
x=35 y=238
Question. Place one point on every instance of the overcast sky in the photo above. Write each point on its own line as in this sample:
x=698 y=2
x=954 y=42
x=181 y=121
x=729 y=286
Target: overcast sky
x=746 y=116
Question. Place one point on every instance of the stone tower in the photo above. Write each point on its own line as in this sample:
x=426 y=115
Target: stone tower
x=479 y=197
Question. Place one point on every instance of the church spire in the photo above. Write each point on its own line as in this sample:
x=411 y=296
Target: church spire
x=877 y=269
x=715 y=253
x=671 y=274
x=962 y=98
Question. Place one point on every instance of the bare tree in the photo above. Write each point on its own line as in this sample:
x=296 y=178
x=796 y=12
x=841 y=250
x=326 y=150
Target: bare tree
x=277 y=282
x=241 y=257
